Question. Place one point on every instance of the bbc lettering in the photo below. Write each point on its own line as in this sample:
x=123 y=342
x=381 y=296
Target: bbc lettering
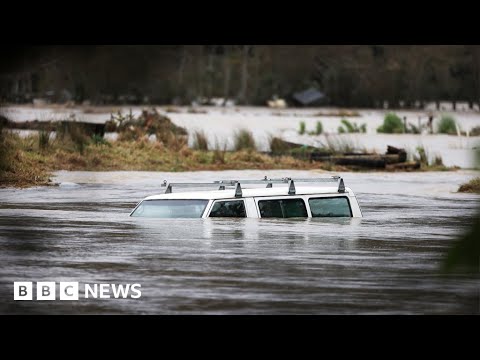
x=46 y=290
x=22 y=290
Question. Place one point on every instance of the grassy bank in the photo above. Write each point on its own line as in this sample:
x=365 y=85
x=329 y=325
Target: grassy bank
x=151 y=142
x=17 y=167
x=30 y=161
x=473 y=186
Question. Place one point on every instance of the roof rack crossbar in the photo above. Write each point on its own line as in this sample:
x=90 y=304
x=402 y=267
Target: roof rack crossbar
x=195 y=185
x=278 y=181
x=222 y=184
x=169 y=186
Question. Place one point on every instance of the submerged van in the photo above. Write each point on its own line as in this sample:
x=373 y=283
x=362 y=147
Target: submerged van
x=289 y=198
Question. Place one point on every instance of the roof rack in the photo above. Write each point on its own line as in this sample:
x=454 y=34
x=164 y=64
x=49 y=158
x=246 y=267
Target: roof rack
x=222 y=184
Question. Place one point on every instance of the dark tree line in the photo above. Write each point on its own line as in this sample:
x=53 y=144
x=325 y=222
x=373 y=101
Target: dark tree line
x=350 y=75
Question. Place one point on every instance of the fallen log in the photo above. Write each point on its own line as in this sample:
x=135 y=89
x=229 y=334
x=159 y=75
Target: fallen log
x=377 y=161
x=320 y=156
x=391 y=150
x=370 y=161
x=405 y=166
x=88 y=129
x=394 y=158
x=358 y=154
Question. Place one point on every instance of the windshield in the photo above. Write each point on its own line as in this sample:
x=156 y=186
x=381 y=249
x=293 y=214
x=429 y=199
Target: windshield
x=171 y=208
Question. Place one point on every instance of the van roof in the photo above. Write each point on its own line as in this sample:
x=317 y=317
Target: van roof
x=256 y=192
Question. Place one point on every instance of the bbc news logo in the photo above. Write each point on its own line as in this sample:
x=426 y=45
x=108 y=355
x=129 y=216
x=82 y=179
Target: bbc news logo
x=46 y=290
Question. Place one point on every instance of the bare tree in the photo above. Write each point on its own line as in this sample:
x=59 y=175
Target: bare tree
x=181 y=66
x=475 y=49
x=227 y=67
x=244 y=77
x=360 y=75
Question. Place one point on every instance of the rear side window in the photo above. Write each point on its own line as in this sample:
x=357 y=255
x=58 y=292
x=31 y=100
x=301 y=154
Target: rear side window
x=229 y=209
x=330 y=207
x=282 y=208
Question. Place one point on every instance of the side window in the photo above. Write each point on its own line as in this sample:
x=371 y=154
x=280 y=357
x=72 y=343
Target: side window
x=282 y=208
x=229 y=209
x=330 y=207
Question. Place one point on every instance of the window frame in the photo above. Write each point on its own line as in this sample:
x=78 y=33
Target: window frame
x=289 y=197
x=210 y=208
x=329 y=197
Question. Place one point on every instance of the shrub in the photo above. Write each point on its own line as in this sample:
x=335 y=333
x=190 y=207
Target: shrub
x=319 y=128
x=173 y=141
x=302 y=128
x=413 y=129
x=475 y=131
x=111 y=126
x=5 y=151
x=149 y=123
x=351 y=127
x=200 y=141
x=219 y=153
x=203 y=158
x=438 y=161
x=392 y=124
x=423 y=156
x=447 y=125
x=473 y=186
x=75 y=132
x=244 y=140
x=99 y=140
x=43 y=139
x=277 y=145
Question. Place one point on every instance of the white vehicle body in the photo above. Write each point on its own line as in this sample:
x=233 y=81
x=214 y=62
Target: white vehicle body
x=272 y=202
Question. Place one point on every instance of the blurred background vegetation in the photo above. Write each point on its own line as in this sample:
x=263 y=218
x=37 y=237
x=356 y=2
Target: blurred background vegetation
x=464 y=254
x=350 y=75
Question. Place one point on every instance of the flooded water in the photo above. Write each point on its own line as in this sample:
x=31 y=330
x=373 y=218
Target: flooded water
x=385 y=263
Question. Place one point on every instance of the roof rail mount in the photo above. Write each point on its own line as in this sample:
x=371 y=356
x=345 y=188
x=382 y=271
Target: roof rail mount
x=237 y=184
